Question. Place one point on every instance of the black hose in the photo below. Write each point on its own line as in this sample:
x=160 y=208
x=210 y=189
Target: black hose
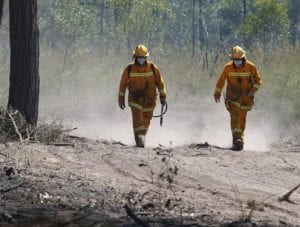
x=164 y=109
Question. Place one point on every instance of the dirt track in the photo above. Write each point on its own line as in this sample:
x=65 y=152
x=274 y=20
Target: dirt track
x=89 y=183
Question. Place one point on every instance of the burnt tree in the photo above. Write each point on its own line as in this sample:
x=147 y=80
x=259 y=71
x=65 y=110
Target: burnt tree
x=1 y=9
x=24 y=60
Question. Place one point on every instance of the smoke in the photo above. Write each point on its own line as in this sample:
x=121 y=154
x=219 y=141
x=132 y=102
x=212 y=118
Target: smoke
x=196 y=121
x=90 y=103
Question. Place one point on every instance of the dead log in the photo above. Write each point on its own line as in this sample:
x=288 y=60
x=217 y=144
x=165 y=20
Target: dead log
x=67 y=223
x=63 y=144
x=286 y=197
x=134 y=217
x=12 y=188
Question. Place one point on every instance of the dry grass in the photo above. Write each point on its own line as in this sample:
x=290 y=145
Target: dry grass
x=13 y=126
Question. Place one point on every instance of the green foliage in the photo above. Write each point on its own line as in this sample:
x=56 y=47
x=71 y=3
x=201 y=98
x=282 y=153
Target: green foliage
x=104 y=32
x=268 y=23
x=48 y=133
x=13 y=126
x=146 y=21
x=68 y=20
x=111 y=25
x=231 y=16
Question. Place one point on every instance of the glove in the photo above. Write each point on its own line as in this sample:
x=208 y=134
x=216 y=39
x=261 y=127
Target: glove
x=251 y=94
x=217 y=97
x=162 y=100
x=121 y=102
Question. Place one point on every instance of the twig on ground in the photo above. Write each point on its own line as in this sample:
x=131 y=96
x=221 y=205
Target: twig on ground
x=69 y=130
x=75 y=220
x=3 y=154
x=14 y=124
x=77 y=137
x=134 y=217
x=286 y=196
x=14 y=187
x=118 y=143
x=63 y=144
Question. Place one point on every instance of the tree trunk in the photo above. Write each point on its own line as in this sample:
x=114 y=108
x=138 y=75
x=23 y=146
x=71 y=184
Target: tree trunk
x=24 y=61
x=201 y=25
x=193 y=27
x=1 y=9
x=244 y=9
x=294 y=7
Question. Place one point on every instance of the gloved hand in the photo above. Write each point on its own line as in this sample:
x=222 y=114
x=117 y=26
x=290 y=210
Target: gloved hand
x=163 y=100
x=217 y=97
x=121 y=102
x=251 y=93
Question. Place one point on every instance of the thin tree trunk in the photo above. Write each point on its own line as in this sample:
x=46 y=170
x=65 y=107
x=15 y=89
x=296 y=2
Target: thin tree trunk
x=1 y=9
x=201 y=27
x=24 y=61
x=193 y=27
x=293 y=16
x=244 y=9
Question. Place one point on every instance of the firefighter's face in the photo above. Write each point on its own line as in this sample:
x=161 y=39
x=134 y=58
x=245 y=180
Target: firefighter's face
x=141 y=60
x=237 y=62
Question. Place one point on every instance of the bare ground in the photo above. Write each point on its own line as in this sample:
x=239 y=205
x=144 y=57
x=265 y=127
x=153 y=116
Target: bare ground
x=91 y=182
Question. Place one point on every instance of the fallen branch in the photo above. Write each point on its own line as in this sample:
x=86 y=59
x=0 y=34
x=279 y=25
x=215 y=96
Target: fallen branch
x=63 y=144
x=12 y=188
x=69 y=130
x=3 y=154
x=286 y=196
x=75 y=220
x=14 y=124
x=118 y=143
x=77 y=137
x=134 y=217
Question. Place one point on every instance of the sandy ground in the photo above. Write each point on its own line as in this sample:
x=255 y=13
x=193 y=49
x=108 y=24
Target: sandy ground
x=90 y=182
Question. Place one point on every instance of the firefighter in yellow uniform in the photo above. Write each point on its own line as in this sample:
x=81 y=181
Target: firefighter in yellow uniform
x=142 y=78
x=243 y=80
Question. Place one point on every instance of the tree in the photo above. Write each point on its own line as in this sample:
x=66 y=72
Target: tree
x=24 y=61
x=1 y=9
x=293 y=13
x=193 y=27
x=268 y=24
x=201 y=24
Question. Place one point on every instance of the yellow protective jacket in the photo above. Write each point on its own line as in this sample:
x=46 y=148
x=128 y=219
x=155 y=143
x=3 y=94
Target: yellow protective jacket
x=142 y=82
x=240 y=81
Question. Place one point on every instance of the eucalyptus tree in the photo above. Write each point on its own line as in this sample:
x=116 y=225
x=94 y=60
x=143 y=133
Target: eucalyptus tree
x=294 y=16
x=24 y=60
x=1 y=9
x=268 y=24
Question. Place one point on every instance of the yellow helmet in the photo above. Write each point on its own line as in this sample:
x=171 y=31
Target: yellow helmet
x=141 y=51
x=237 y=52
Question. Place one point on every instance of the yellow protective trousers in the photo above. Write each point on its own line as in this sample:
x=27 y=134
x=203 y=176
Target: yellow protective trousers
x=237 y=121
x=141 y=121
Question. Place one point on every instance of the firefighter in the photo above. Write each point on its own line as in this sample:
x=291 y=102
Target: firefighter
x=243 y=80
x=142 y=78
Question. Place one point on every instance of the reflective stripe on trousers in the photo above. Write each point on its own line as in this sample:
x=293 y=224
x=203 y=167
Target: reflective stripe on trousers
x=237 y=121
x=140 y=121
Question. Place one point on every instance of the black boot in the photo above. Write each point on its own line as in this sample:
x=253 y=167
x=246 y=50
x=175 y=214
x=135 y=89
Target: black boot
x=237 y=144
x=140 y=141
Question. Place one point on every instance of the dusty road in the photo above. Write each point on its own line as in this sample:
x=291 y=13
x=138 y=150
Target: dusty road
x=90 y=182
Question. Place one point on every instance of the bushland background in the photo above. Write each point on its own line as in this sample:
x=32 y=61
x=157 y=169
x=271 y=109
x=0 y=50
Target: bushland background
x=178 y=179
x=85 y=45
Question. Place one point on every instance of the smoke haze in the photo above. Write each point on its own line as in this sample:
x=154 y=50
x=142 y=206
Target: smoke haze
x=87 y=99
